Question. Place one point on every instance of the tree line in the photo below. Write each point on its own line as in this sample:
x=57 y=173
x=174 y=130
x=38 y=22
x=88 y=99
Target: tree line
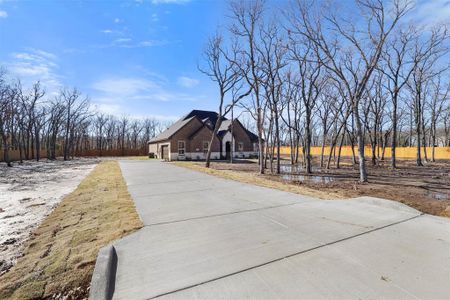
x=34 y=123
x=313 y=73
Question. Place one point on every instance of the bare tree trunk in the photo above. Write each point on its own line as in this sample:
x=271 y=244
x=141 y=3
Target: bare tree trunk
x=211 y=141
x=6 y=158
x=432 y=148
x=424 y=140
x=260 y=139
x=360 y=139
x=277 y=136
x=418 y=130
x=307 y=147
x=394 y=136
x=352 y=145
x=322 y=150
x=339 y=151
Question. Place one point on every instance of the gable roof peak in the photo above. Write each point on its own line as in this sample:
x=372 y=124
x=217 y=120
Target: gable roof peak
x=203 y=115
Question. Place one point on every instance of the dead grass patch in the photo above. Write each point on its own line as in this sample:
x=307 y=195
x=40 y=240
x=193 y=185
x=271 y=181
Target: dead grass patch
x=59 y=257
x=423 y=188
x=257 y=179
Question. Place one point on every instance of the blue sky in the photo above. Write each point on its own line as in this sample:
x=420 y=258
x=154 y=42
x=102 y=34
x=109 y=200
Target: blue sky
x=136 y=58
x=131 y=57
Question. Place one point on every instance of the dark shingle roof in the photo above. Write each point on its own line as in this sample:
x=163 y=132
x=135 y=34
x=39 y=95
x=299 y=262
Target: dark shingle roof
x=202 y=116
x=253 y=137
x=166 y=134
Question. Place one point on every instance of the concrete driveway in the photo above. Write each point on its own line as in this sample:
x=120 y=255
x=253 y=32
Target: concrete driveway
x=211 y=238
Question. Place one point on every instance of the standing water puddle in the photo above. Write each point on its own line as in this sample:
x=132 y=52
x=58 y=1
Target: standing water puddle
x=439 y=196
x=290 y=173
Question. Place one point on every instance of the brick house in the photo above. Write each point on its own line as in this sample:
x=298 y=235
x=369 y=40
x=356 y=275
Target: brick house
x=189 y=138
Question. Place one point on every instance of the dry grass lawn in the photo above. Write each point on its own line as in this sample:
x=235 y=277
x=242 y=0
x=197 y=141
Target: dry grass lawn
x=261 y=180
x=59 y=257
x=426 y=188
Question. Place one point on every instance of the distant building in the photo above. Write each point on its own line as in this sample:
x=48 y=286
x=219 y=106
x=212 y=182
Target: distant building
x=189 y=138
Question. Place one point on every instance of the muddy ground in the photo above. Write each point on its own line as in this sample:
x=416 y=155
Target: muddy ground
x=425 y=188
x=28 y=193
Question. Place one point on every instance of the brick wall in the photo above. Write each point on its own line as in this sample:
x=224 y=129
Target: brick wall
x=204 y=135
x=183 y=134
x=241 y=136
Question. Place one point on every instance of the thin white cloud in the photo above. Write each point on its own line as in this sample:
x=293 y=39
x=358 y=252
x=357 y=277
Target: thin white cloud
x=130 y=87
x=155 y=17
x=187 y=82
x=156 y=77
x=113 y=32
x=152 y=43
x=36 y=55
x=3 y=14
x=122 y=40
x=117 y=20
x=36 y=65
x=118 y=110
x=132 y=94
x=108 y=108
x=430 y=13
x=170 y=1
x=136 y=95
x=129 y=43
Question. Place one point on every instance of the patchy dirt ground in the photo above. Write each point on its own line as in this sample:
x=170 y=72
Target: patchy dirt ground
x=28 y=193
x=59 y=257
x=425 y=188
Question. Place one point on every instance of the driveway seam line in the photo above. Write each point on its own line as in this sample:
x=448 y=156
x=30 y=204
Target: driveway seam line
x=224 y=214
x=287 y=256
x=168 y=181
x=174 y=193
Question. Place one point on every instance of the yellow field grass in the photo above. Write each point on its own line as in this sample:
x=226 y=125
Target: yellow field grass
x=401 y=152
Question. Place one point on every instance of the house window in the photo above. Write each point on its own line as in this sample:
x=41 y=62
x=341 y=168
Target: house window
x=240 y=146
x=205 y=147
x=181 y=147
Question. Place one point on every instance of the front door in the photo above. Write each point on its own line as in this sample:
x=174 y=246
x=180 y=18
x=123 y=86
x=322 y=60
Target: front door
x=227 y=150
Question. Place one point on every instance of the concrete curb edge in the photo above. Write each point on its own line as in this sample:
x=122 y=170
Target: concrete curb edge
x=104 y=276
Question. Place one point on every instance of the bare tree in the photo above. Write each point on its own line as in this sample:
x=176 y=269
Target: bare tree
x=76 y=109
x=398 y=66
x=437 y=104
x=247 y=16
x=273 y=59
x=221 y=68
x=350 y=54
x=7 y=97
x=426 y=55
x=310 y=81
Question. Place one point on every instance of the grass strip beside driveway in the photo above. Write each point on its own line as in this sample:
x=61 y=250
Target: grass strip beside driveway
x=257 y=179
x=60 y=255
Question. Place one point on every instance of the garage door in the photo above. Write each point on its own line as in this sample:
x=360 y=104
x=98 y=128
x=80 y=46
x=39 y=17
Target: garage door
x=165 y=152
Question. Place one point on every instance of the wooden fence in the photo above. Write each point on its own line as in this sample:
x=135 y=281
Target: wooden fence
x=15 y=155
x=401 y=152
x=346 y=151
